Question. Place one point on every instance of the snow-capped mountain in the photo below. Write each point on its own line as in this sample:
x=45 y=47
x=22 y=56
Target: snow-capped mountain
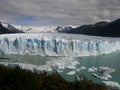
x=7 y=28
x=44 y=29
x=11 y=28
x=64 y=29
x=36 y=29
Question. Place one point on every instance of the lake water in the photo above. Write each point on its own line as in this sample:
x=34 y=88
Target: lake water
x=111 y=60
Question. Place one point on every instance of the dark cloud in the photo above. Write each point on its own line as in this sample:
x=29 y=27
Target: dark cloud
x=64 y=12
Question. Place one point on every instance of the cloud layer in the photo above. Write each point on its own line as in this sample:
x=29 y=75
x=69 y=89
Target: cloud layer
x=60 y=12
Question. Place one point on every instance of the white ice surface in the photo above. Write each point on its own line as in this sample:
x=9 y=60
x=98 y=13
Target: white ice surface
x=93 y=69
x=81 y=68
x=103 y=71
x=71 y=73
x=46 y=44
x=106 y=70
x=112 y=83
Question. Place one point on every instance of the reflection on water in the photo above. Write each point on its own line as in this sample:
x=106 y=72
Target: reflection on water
x=110 y=60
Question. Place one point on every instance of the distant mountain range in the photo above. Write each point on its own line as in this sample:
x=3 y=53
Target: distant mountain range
x=7 y=29
x=107 y=29
x=44 y=29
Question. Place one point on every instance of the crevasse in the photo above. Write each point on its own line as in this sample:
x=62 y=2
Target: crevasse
x=57 y=44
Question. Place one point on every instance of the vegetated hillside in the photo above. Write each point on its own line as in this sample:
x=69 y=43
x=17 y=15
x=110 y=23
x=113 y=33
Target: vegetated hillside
x=7 y=28
x=107 y=29
x=18 y=79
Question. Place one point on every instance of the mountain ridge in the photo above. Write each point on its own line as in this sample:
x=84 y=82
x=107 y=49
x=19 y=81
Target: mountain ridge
x=107 y=29
x=7 y=29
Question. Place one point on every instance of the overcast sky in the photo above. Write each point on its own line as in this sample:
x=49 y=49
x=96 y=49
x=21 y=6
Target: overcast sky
x=58 y=12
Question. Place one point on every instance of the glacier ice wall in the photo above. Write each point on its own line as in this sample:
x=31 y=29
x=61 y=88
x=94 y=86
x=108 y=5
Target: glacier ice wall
x=57 y=44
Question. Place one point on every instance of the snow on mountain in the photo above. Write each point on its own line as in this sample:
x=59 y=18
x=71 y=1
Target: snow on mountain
x=7 y=28
x=4 y=25
x=36 y=29
x=42 y=29
x=48 y=44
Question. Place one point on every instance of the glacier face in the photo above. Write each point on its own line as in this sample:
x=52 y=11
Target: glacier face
x=46 y=44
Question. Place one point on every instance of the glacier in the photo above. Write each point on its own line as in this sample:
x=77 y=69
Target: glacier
x=50 y=44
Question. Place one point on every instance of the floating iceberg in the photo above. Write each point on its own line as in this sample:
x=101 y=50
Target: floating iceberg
x=93 y=69
x=106 y=70
x=71 y=73
x=113 y=84
x=104 y=77
x=82 y=68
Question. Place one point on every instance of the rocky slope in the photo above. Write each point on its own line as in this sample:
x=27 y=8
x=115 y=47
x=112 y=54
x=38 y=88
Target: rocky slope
x=7 y=29
x=108 y=29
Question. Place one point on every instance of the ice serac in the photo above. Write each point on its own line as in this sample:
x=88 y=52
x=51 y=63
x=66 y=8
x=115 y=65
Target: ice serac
x=45 y=44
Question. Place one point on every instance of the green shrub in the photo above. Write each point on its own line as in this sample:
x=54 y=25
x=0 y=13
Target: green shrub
x=19 y=79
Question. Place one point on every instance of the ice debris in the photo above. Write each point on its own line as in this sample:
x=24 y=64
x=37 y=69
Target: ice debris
x=112 y=83
x=71 y=73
